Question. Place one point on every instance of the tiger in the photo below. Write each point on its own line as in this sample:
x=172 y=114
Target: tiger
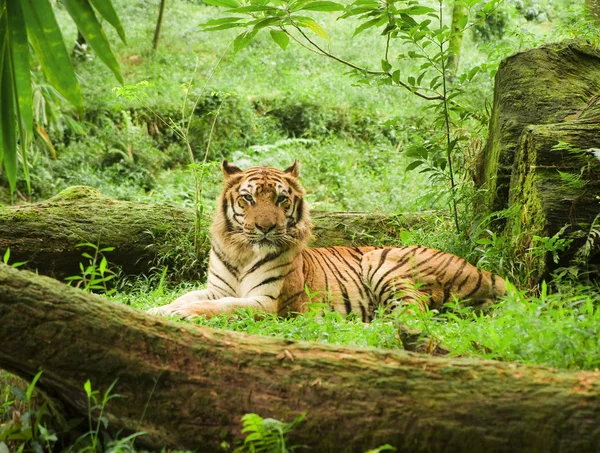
x=260 y=260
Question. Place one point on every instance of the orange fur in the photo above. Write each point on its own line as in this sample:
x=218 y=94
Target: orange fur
x=259 y=259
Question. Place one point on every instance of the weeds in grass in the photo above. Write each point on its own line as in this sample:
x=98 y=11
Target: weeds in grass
x=94 y=276
x=6 y=259
x=266 y=435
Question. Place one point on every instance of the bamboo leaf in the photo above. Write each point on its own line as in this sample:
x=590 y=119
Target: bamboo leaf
x=242 y=40
x=368 y=24
x=314 y=26
x=281 y=38
x=47 y=41
x=19 y=51
x=8 y=116
x=226 y=3
x=322 y=6
x=3 y=40
x=106 y=10
x=83 y=14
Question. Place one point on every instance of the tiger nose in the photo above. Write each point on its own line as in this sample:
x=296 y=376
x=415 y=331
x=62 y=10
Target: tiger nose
x=265 y=229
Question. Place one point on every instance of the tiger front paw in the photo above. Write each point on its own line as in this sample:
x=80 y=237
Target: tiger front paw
x=183 y=310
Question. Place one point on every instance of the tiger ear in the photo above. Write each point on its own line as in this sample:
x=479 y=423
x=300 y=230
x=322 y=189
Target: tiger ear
x=228 y=169
x=293 y=169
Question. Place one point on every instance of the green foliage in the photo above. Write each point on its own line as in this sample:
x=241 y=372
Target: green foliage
x=23 y=423
x=24 y=22
x=96 y=274
x=6 y=259
x=266 y=435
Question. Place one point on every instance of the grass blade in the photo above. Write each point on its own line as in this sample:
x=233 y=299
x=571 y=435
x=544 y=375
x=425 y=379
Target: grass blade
x=19 y=51
x=83 y=14
x=47 y=41
x=106 y=10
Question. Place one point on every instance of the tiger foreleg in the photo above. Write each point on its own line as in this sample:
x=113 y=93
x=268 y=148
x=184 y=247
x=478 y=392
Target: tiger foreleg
x=187 y=298
x=191 y=307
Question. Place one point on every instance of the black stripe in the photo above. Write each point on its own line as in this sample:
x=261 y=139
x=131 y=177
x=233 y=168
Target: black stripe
x=269 y=257
x=381 y=260
x=228 y=226
x=324 y=272
x=363 y=312
x=358 y=283
x=278 y=266
x=398 y=266
x=288 y=301
x=448 y=286
x=342 y=287
x=222 y=279
x=477 y=286
x=299 y=210
x=272 y=279
x=230 y=267
x=358 y=258
x=346 y=299
x=462 y=283
x=218 y=287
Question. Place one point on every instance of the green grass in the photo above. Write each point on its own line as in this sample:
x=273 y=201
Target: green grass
x=560 y=330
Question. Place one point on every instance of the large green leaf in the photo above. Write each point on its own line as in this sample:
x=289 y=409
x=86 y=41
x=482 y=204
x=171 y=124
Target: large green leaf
x=106 y=10
x=8 y=115
x=3 y=41
x=320 y=6
x=19 y=53
x=83 y=14
x=281 y=38
x=47 y=41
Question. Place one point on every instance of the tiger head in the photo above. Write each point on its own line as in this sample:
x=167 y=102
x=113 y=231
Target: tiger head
x=262 y=208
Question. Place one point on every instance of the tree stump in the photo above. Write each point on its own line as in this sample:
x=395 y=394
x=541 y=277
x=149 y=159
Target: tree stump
x=539 y=160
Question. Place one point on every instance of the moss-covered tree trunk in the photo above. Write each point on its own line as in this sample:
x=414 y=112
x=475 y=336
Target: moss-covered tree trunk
x=188 y=386
x=145 y=235
x=547 y=85
x=539 y=160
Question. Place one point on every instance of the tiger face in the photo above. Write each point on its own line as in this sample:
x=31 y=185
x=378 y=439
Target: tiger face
x=263 y=207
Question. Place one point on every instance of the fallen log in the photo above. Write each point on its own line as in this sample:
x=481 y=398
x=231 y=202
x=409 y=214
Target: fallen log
x=146 y=235
x=188 y=386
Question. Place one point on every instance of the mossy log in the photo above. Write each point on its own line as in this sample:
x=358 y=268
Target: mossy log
x=188 y=386
x=144 y=234
x=547 y=85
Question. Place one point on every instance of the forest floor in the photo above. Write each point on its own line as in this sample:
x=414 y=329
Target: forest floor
x=353 y=141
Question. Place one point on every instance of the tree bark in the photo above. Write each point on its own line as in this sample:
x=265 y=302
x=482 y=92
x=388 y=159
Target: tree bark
x=188 y=386
x=159 y=21
x=146 y=235
x=546 y=85
x=459 y=13
x=555 y=188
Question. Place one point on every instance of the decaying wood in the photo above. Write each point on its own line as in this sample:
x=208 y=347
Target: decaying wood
x=547 y=85
x=187 y=386
x=540 y=159
x=146 y=235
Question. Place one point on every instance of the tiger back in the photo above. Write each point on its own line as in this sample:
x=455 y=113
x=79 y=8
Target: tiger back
x=259 y=259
